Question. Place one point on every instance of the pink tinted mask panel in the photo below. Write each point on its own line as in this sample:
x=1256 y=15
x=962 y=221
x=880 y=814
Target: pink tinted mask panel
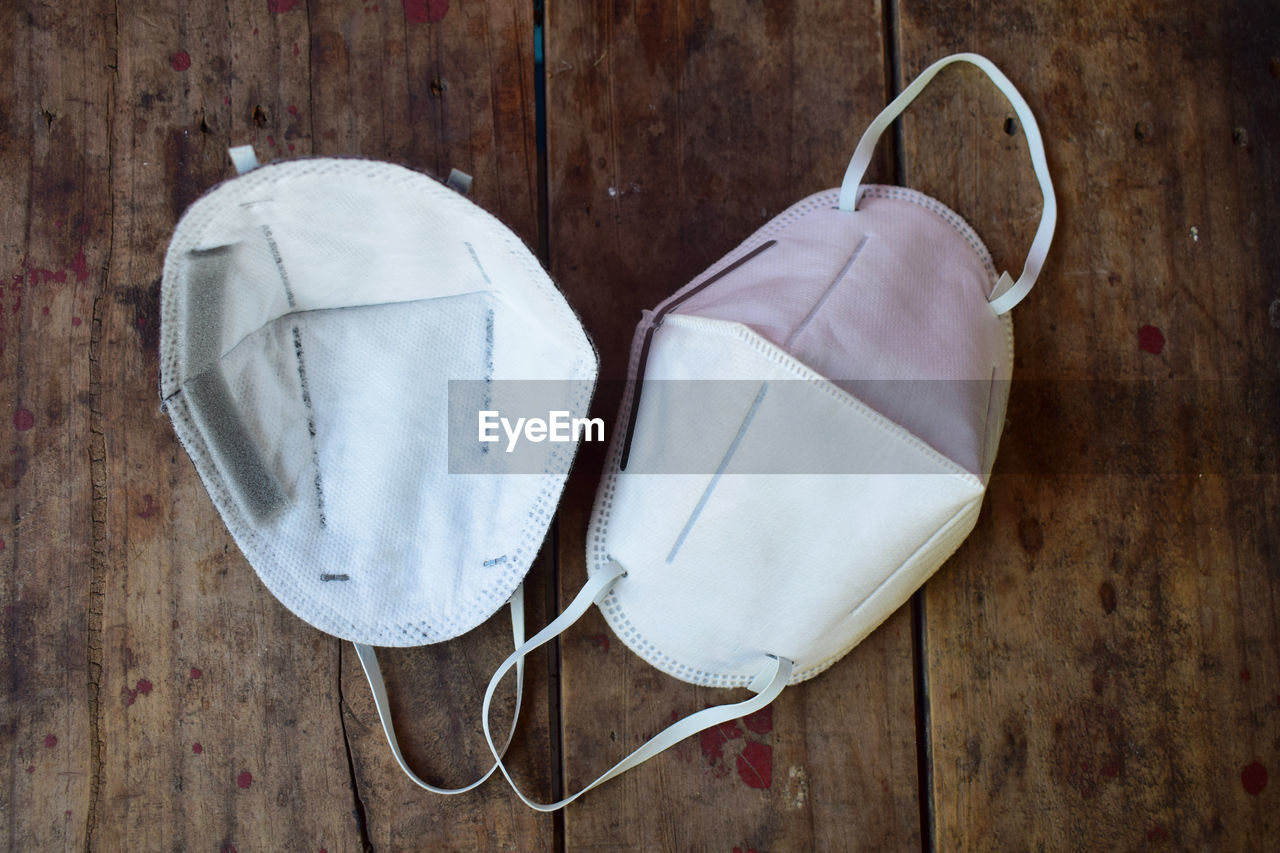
x=883 y=301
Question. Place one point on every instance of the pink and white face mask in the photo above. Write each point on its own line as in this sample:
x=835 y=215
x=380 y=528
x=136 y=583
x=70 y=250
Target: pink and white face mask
x=806 y=436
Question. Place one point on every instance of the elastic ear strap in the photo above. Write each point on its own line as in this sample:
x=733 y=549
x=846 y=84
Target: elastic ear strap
x=243 y=158
x=373 y=672
x=774 y=677
x=851 y=188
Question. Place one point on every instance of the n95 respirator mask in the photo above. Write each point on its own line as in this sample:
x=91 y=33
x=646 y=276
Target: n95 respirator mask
x=320 y=319
x=806 y=435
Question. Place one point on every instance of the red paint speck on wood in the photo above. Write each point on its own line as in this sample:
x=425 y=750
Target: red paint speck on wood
x=1254 y=778
x=50 y=741
x=1151 y=339
x=279 y=7
x=1245 y=675
x=142 y=688
x=79 y=265
x=31 y=768
x=195 y=673
x=180 y=61
x=1157 y=833
x=245 y=779
x=197 y=748
x=755 y=765
x=714 y=739
x=761 y=722
x=23 y=420
x=601 y=642
x=75 y=321
x=58 y=276
x=425 y=11
x=149 y=507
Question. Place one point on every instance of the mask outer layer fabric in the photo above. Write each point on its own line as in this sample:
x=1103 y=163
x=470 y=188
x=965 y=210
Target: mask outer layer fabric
x=316 y=315
x=851 y=364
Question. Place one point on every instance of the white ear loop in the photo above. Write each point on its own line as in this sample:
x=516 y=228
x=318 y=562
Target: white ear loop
x=1006 y=293
x=772 y=677
x=369 y=661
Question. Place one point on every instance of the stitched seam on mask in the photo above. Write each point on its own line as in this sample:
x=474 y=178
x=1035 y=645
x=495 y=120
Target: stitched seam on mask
x=311 y=420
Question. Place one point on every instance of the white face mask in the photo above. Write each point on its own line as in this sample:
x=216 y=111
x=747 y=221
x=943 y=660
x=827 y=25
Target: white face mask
x=806 y=436
x=314 y=313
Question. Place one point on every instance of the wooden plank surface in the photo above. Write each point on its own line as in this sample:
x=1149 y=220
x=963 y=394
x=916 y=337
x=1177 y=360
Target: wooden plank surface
x=54 y=215
x=1101 y=665
x=218 y=709
x=675 y=130
x=1102 y=654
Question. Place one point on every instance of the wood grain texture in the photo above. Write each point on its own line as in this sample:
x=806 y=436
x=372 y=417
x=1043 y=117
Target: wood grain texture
x=54 y=215
x=1102 y=653
x=218 y=710
x=1102 y=656
x=674 y=130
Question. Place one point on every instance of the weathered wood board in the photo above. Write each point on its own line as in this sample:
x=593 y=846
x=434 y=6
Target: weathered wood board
x=157 y=695
x=55 y=201
x=674 y=131
x=1102 y=654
